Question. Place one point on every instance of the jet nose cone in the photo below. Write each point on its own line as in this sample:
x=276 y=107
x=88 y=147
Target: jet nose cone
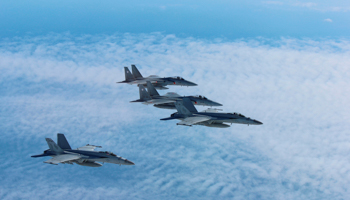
x=128 y=162
x=216 y=104
x=189 y=83
x=257 y=122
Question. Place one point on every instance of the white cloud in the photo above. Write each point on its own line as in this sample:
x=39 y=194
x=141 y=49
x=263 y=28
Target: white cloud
x=305 y=4
x=298 y=88
x=273 y=2
x=328 y=20
x=323 y=6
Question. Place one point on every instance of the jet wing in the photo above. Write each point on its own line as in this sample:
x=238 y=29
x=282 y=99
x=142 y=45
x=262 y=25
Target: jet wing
x=189 y=121
x=89 y=147
x=63 y=158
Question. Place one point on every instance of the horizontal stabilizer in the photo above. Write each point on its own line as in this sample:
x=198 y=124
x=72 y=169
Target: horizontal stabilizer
x=123 y=82
x=136 y=101
x=168 y=118
x=40 y=155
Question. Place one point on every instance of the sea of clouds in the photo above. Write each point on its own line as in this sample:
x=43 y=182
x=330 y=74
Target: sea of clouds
x=59 y=83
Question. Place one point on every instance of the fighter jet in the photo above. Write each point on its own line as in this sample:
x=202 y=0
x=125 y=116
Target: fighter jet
x=151 y=96
x=188 y=114
x=136 y=78
x=85 y=156
x=145 y=98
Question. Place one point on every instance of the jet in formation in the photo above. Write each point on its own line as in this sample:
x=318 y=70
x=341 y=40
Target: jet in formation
x=167 y=101
x=85 y=156
x=188 y=114
x=136 y=78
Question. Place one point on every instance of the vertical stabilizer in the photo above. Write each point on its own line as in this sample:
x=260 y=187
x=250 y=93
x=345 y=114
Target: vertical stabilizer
x=62 y=141
x=151 y=90
x=136 y=72
x=53 y=146
x=128 y=75
x=185 y=107
x=144 y=94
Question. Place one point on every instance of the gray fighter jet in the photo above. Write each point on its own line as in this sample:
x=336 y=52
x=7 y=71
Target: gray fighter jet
x=136 y=78
x=85 y=156
x=151 y=96
x=188 y=114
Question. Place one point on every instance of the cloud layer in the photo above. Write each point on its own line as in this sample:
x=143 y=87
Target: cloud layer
x=323 y=6
x=299 y=89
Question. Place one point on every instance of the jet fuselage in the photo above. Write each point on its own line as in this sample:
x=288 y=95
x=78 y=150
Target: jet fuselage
x=220 y=118
x=198 y=101
x=91 y=156
x=159 y=82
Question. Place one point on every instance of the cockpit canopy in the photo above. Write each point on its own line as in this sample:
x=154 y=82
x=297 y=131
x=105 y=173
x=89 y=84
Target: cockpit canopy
x=108 y=153
x=178 y=78
x=239 y=114
x=201 y=97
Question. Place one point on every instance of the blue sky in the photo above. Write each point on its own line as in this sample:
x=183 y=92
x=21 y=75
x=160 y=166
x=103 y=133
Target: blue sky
x=58 y=68
x=205 y=19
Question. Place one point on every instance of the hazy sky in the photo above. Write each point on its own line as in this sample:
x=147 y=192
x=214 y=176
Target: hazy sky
x=205 y=19
x=284 y=63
